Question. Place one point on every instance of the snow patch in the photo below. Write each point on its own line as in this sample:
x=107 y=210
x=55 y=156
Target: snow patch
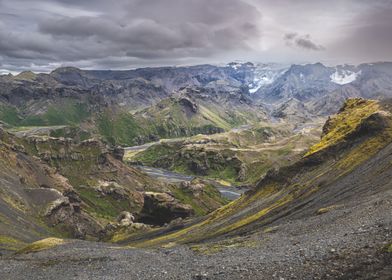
x=235 y=66
x=265 y=74
x=343 y=77
x=258 y=82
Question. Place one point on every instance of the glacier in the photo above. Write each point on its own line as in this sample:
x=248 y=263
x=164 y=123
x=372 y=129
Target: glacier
x=343 y=77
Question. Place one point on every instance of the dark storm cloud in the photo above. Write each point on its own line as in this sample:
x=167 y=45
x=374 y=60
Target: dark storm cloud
x=302 y=41
x=63 y=31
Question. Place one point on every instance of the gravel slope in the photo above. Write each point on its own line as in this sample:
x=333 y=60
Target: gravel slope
x=345 y=243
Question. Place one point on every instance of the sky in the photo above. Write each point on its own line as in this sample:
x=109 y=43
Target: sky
x=41 y=35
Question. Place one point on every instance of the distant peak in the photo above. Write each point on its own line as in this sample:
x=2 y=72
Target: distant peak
x=66 y=69
x=26 y=75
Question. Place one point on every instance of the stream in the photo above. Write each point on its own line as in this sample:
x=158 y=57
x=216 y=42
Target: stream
x=228 y=192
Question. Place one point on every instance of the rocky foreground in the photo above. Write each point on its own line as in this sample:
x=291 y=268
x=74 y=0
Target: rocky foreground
x=343 y=243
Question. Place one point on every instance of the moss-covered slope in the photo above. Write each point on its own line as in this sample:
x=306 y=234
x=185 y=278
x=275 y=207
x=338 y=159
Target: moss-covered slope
x=357 y=164
x=64 y=188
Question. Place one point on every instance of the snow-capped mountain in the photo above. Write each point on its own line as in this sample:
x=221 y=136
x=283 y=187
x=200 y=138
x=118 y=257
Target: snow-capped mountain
x=265 y=74
x=256 y=76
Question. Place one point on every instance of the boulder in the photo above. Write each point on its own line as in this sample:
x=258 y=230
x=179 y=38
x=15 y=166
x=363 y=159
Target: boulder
x=161 y=208
x=189 y=104
x=69 y=217
x=125 y=218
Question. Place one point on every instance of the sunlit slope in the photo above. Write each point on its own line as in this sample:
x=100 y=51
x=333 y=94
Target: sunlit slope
x=352 y=160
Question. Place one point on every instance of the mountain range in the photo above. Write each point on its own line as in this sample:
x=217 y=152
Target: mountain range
x=116 y=102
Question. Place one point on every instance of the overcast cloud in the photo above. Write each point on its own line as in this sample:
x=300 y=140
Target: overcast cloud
x=99 y=34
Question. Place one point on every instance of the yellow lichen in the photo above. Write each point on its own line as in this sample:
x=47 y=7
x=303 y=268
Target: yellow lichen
x=224 y=183
x=270 y=229
x=245 y=221
x=43 y=244
x=326 y=209
x=192 y=232
x=345 y=122
x=365 y=150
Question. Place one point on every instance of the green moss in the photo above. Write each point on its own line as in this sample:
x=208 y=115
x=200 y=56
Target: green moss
x=13 y=202
x=66 y=113
x=228 y=173
x=389 y=248
x=102 y=206
x=120 y=129
x=206 y=200
x=156 y=152
x=270 y=229
x=9 y=115
x=195 y=161
x=214 y=118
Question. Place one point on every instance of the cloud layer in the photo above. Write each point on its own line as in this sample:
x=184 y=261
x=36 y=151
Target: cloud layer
x=44 y=34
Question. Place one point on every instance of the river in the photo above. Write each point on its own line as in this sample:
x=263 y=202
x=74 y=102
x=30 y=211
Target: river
x=228 y=192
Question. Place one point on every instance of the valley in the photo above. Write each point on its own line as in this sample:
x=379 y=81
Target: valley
x=252 y=171
x=227 y=191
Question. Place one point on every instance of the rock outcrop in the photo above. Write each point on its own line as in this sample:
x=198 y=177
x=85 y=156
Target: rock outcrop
x=161 y=208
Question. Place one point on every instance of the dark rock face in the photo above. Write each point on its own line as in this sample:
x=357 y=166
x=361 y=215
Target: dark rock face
x=187 y=103
x=161 y=208
x=375 y=122
x=118 y=153
x=68 y=216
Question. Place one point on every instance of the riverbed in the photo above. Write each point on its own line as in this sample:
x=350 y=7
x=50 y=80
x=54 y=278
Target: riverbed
x=228 y=192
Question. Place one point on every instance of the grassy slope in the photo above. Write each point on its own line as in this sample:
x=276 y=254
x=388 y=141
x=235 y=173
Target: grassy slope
x=120 y=129
x=205 y=201
x=170 y=118
x=69 y=112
